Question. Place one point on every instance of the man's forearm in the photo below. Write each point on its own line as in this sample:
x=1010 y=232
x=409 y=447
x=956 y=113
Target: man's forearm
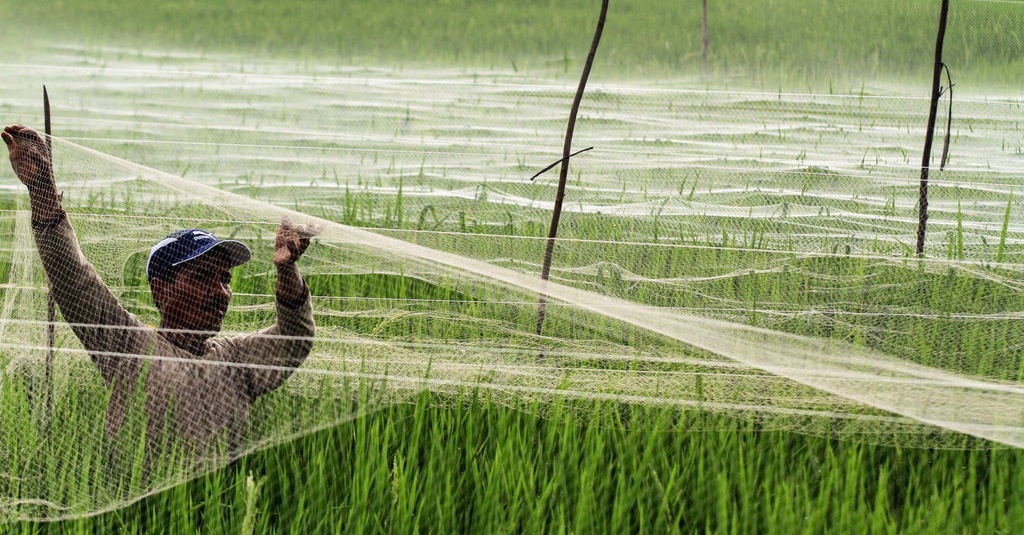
x=280 y=354
x=105 y=328
x=291 y=289
x=45 y=202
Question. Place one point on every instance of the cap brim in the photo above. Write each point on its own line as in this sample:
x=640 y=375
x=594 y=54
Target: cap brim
x=237 y=252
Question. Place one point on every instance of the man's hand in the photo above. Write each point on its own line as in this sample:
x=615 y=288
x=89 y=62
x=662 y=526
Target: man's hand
x=292 y=240
x=30 y=157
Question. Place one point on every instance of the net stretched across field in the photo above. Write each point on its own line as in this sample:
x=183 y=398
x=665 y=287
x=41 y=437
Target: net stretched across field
x=746 y=252
x=690 y=325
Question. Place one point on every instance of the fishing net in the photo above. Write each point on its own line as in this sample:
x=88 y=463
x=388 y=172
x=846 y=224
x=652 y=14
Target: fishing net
x=743 y=252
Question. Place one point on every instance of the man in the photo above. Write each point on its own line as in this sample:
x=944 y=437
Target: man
x=197 y=389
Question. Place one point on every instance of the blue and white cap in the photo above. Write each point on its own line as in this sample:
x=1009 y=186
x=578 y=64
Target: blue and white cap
x=185 y=245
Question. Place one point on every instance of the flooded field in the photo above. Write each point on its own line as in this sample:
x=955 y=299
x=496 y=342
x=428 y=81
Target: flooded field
x=810 y=170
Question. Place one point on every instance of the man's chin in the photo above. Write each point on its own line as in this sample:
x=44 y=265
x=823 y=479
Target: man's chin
x=207 y=329
x=212 y=330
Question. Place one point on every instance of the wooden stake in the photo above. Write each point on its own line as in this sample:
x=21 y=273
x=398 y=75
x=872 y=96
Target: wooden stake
x=704 y=40
x=922 y=200
x=564 y=170
x=51 y=305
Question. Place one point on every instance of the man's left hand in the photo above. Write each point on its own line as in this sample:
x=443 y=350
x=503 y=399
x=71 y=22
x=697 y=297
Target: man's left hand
x=292 y=240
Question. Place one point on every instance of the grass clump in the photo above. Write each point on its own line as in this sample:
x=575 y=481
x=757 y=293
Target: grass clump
x=468 y=465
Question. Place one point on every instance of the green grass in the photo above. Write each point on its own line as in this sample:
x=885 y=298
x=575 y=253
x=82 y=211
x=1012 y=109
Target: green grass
x=788 y=42
x=559 y=464
x=468 y=465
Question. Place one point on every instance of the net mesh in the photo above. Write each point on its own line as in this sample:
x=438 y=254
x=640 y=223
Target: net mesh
x=740 y=251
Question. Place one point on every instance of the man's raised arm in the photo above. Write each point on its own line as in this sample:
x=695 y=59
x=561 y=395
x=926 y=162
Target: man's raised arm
x=106 y=329
x=277 y=351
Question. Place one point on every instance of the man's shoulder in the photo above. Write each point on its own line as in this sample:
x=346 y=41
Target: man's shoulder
x=233 y=347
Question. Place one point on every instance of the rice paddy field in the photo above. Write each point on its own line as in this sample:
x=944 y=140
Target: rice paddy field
x=739 y=337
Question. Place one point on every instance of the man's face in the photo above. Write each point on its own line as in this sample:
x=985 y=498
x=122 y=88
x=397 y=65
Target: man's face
x=199 y=296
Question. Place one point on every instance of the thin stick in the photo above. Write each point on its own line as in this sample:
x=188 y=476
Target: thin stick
x=922 y=204
x=564 y=171
x=542 y=171
x=949 y=119
x=704 y=39
x=51 y=305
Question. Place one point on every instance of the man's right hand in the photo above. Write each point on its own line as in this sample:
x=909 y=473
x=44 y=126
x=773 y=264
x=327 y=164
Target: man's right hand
x=30 y=157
